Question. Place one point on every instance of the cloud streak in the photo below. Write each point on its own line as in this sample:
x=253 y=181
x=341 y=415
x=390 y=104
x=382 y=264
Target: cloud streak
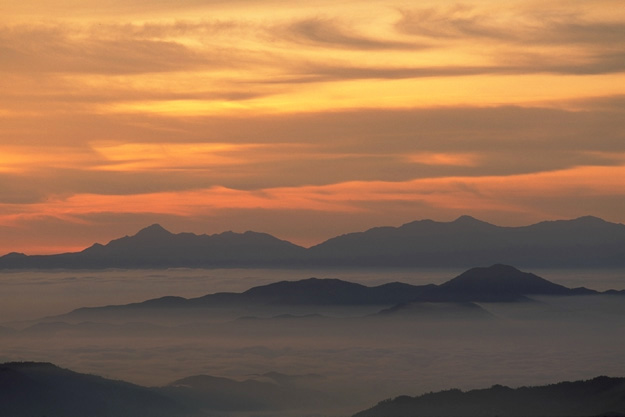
x=533 y=196
x=332 y=33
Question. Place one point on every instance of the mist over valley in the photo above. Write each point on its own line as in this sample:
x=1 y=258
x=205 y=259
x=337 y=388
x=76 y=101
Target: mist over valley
x=363 y=335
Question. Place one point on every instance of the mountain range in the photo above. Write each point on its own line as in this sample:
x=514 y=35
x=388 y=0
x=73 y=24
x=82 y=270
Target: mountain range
x=35 y=388
x=464 y=242
x=44 y=389
x=497 y=283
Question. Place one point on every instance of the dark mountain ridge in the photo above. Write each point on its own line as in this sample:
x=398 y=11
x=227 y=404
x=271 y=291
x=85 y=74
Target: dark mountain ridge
x=155 y=247
x=500 y=282
x=601 y=396
x=43 y=389
x=583 y=242
x=271 y=391
x=497 y=283
x=36 y=389
x=586 y=241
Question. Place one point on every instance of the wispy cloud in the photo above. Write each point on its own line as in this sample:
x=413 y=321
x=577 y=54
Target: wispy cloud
x=332 y=33
x=55 y=50
x=555 y=27
x=593 y=46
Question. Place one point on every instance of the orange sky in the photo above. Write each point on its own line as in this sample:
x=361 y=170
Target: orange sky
x=304 y=121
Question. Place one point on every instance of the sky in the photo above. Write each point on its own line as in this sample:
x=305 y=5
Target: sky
x=304 y=120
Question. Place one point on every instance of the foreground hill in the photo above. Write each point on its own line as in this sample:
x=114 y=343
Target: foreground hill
x=582 y=242
x=601 y=396
x=43 y=389
x=38 y=389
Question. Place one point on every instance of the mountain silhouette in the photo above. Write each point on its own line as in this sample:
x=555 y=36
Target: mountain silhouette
x=270 y=391
x=306 y=292
x=466 y=241
x=586 y=241
x=155 y=247
x=42 y=389
x=500 y=282
x=497 y=283
x=601 y=396
x=334 y=291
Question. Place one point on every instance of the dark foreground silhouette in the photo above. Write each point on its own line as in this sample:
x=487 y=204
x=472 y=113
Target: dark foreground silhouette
x=42 y=389
x=601 y=396
x=38 y=389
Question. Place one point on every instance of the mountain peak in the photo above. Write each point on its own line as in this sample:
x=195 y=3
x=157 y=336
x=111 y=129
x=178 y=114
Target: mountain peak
x=153 y=230
x=467 y=220
x=501 y=279
x=590 y=220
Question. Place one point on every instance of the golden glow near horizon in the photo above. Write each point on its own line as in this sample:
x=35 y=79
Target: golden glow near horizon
x=305 y=121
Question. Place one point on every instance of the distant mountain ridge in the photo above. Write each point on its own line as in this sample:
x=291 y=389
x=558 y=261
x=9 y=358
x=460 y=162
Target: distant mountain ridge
x=466 y=241
x=155 y=247
x=583 y=242
x=497 y=283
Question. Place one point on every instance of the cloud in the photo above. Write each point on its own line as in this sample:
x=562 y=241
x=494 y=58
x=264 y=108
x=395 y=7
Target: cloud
x=565 y=193
x=332 y=33
x=517 y=64
x=323 y=72
x=610 y=104
x=536 y=39
x=119 y=8
x=448 y=23
x=201 y=65
x=119 y=49
x=446 y=159
x=123 y=155
x=556 y=27
x=174 y=156
x=55 y=50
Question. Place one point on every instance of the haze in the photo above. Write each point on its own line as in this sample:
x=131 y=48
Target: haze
x=357 y=356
